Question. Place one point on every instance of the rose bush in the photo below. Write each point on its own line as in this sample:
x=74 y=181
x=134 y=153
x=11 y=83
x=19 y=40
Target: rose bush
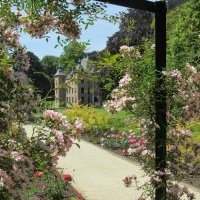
x=22 y=158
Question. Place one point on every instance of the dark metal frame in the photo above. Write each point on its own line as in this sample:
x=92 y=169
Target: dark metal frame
x=159 y=8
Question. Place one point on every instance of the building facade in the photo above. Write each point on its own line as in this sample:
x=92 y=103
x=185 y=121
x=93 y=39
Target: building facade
x=74 y=89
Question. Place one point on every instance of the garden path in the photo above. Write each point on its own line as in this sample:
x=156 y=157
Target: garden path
x=98 y=173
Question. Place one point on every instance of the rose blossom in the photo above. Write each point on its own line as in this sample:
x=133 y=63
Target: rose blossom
x=67 y=177
x=78 y=124
x=16 y=156
x=52 y=115
x=125 y=80
x=59 y=137
x=38 y=174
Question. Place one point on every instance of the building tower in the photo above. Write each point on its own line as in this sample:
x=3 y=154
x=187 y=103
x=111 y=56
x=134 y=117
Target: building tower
x=60 y=92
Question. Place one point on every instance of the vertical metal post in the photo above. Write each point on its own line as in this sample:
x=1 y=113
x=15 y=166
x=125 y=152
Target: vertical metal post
x=160 y=97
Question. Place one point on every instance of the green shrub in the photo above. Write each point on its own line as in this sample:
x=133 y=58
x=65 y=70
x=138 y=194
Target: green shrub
x=194 y=126
x=97 y=120
x=94 y=119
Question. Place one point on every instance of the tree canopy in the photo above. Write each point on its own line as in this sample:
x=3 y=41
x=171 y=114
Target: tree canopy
x=135 y=28
x=73 y=52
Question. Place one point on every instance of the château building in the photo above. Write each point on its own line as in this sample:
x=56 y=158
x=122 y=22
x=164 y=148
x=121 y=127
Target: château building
x=72 y=88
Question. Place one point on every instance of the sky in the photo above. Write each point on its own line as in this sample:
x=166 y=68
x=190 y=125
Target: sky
x=97 y=36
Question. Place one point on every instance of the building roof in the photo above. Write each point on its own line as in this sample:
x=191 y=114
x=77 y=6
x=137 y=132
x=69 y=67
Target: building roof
x=59 y=73
x=69 y=75
x=81 y=66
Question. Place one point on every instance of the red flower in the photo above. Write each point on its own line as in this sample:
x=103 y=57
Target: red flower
x=132 y=141
x=125 y=152
x=38 y=174
x=142 y=142
x=67 y=178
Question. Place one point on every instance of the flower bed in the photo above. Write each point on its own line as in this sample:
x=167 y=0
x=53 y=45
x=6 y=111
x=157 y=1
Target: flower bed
x=136 y=148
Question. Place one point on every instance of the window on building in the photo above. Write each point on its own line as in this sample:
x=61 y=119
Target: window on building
x=82 y=90
x=95 y=99
x=82 y=99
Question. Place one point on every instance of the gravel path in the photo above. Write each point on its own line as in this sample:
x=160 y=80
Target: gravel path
x=98 y=173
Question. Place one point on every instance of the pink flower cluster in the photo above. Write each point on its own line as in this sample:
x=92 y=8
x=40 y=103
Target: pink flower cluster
x=137 y=145
x=187 y=90
x=127 y=51
x=62 y=133
x=41 y=26
x=180 y=132
x=5 y=179
x=156 y=177
x=9 y=35
x=79 y=125
x=59 y=137
x=120 y=97
x=51 y=115
x=125 y=80
x=176 y=74
x=17 y=156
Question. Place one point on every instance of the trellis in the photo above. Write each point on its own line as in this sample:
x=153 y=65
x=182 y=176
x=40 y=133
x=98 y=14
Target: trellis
x=159 y=8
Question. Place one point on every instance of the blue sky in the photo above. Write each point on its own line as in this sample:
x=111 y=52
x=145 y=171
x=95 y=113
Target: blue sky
x=97 y=35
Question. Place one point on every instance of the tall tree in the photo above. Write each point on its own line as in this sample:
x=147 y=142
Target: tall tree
x=73 y=52
x=37 y=74
x=50 y=64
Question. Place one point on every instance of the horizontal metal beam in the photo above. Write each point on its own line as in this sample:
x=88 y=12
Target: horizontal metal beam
x=136 y=4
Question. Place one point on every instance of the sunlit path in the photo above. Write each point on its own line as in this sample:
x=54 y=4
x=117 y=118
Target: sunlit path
x=98 y=173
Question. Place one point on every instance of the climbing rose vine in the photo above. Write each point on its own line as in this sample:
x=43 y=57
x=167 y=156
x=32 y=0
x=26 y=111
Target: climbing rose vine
x=59 y=133
x=120 y=97
x=183 y=104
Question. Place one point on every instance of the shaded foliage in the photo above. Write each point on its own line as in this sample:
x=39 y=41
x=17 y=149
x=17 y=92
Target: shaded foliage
x=183 y=34
x=38 y=76
x=135 y=28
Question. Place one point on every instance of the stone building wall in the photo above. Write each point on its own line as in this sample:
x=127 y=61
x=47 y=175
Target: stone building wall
x=72 y=90
x=60 y=90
